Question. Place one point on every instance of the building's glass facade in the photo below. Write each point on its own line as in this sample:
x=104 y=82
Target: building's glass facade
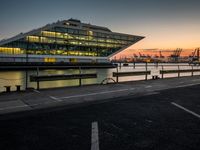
x=70 y=38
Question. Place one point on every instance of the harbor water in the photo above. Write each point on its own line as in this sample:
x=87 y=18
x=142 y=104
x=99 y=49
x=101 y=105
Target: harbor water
x=13 y=78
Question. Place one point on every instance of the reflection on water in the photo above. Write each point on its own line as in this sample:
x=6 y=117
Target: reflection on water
x=13 y=78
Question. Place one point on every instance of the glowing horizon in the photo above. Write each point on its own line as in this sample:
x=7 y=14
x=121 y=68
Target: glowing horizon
x=165 y=24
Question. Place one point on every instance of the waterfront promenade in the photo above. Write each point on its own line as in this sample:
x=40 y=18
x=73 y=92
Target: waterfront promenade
x=154 y=114
x=34 y=100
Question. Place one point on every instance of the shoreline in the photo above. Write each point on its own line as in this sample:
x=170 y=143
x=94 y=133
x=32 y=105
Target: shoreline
x=43 y=66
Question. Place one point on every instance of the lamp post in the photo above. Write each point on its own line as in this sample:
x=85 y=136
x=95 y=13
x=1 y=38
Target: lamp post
x=27 y=47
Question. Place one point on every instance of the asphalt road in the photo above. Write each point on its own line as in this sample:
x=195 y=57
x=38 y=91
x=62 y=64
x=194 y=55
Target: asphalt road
x=130 y=123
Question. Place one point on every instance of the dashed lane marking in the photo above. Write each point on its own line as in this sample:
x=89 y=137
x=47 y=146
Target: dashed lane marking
x=95 y=136
x=185 y=109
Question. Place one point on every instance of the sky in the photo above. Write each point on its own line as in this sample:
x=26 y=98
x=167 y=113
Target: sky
x=166 y=24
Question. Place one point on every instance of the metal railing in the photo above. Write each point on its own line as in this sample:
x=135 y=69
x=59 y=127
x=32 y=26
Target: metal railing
x=161 y=70
x=137 y=71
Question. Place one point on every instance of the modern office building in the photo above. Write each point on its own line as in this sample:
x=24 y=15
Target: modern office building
x=66 y=41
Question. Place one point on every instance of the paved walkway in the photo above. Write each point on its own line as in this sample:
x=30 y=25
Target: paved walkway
x=71 y=96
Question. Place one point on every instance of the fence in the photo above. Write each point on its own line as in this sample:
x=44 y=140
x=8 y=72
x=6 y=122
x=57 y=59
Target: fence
x=137 y=71
x=158 y=70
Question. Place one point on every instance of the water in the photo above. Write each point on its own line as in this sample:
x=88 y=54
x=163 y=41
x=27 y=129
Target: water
x=13 y=78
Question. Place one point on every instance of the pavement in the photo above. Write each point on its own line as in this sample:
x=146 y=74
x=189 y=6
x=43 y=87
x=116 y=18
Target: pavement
x=34 y=100
x=145 y=115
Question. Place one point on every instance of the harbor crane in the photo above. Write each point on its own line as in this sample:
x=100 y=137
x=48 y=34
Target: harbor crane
x=194 y=58
x=160 y=54
x=174 y=57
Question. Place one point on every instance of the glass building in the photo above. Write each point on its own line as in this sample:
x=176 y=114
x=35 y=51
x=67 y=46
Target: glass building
x=66 y=41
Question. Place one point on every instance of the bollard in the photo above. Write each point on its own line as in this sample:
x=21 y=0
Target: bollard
x=7 y=88
x=153 y=77
x=18 y=88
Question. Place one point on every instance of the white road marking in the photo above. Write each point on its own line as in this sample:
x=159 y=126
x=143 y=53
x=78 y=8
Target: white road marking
x=186 y=85
x=151 y=93
x=36 y=91
x=54 y=98
x=60 y=99
x=185 y=109
x=95 y=136
x=99 y=93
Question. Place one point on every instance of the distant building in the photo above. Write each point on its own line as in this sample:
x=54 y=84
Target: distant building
x=65 y=41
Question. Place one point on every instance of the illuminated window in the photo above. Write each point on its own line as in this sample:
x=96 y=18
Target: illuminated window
x=73 y=60
x=9 y=50
x=50 y=60
x=33 y=38
x=90 y=33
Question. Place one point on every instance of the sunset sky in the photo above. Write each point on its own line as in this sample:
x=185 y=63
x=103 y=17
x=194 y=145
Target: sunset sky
x=167 y=24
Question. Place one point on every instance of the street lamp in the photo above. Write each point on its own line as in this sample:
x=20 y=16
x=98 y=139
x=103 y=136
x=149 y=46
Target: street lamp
x=27 y=47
